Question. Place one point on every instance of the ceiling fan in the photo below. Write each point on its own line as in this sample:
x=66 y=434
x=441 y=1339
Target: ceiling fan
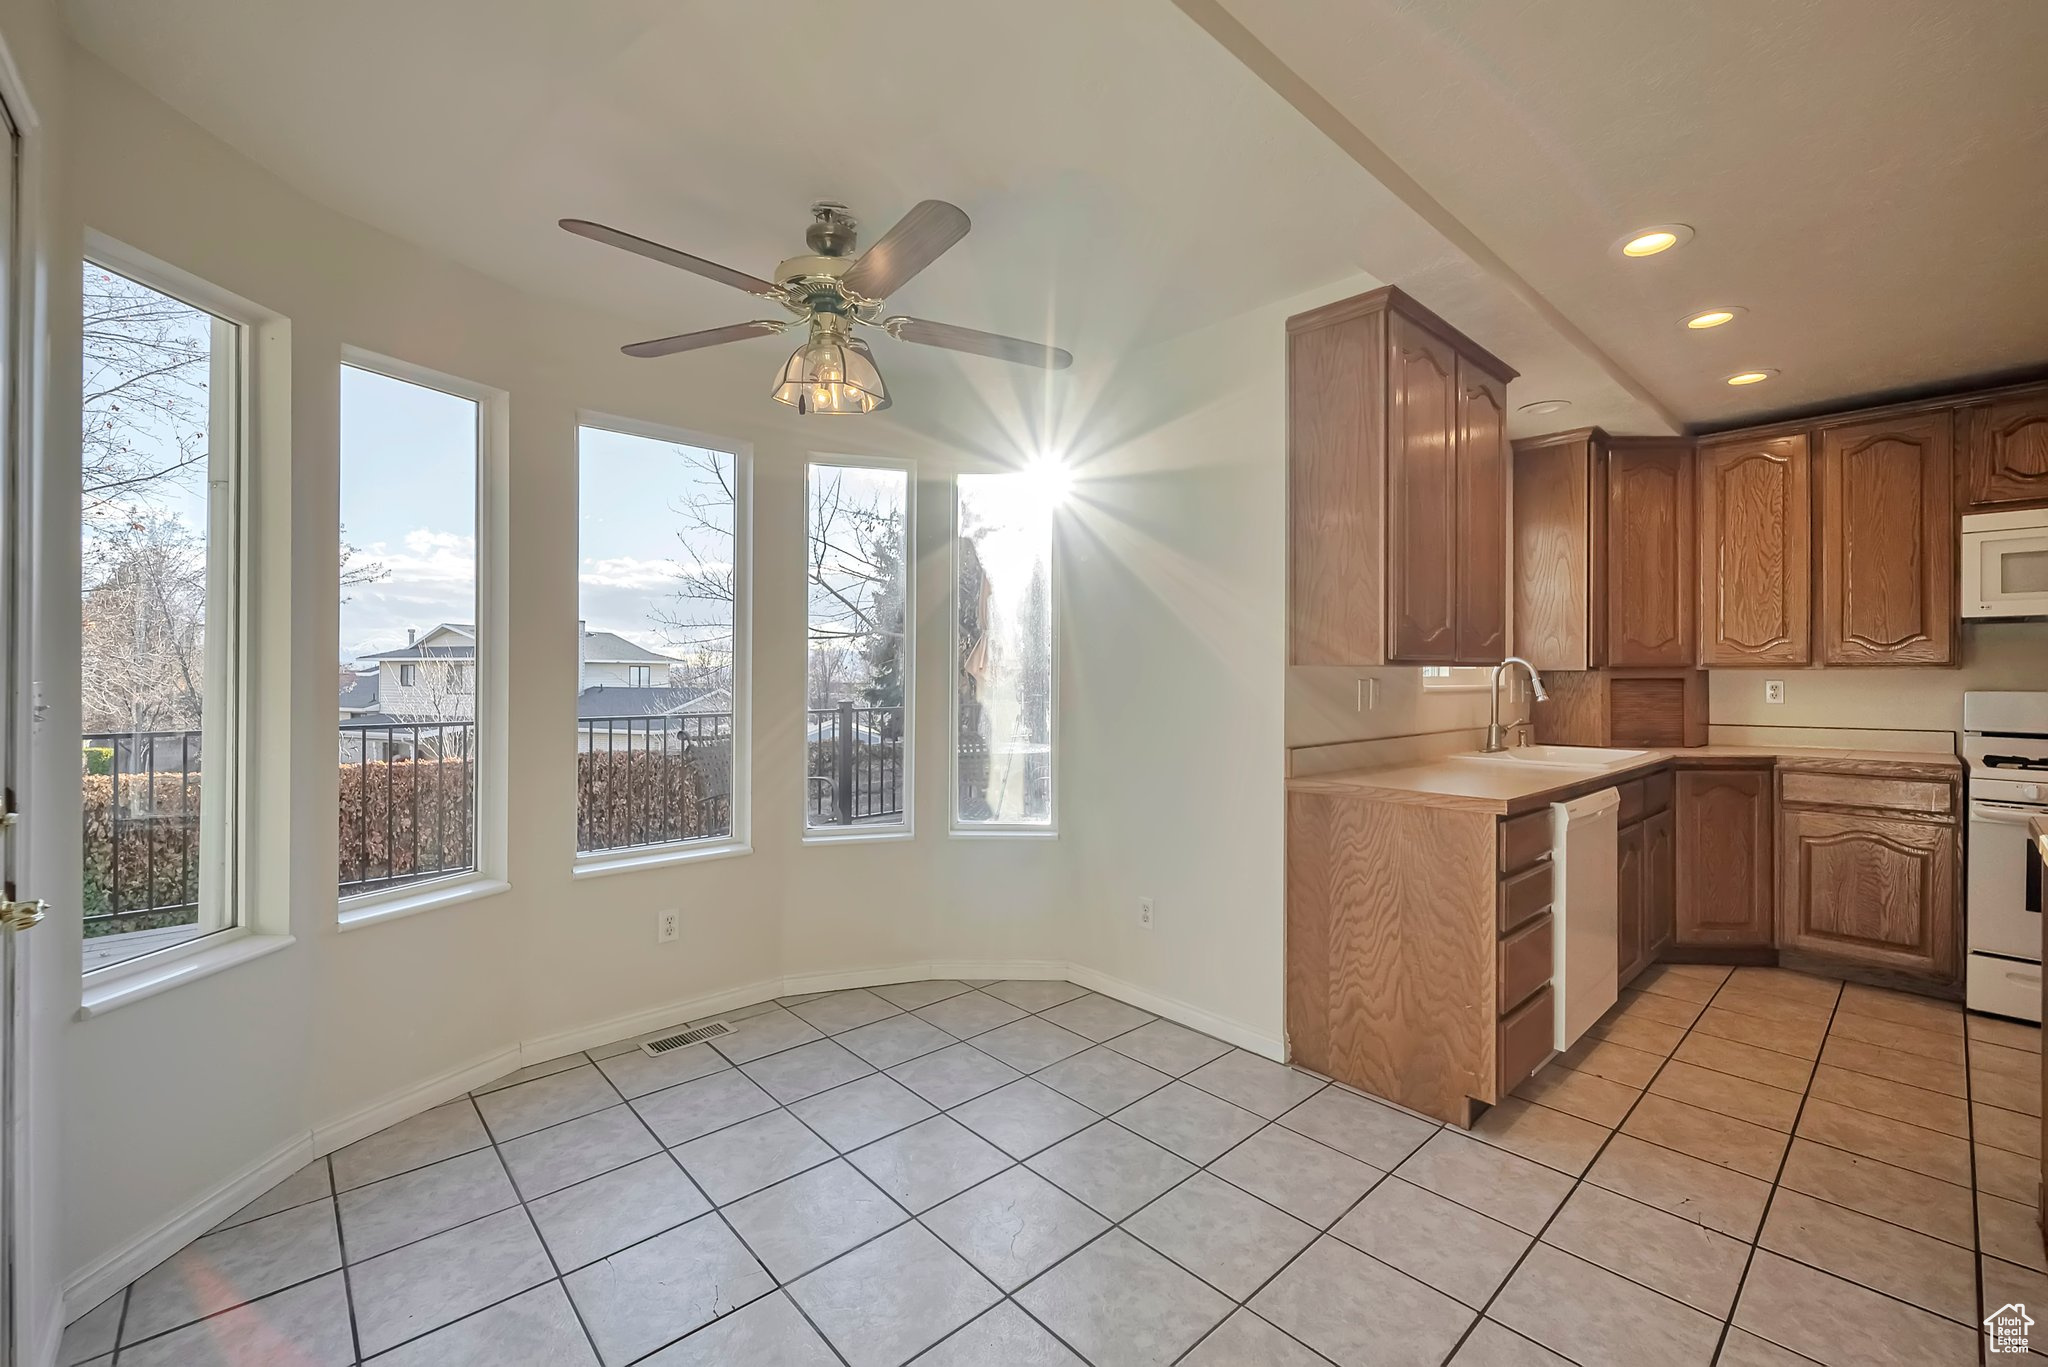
x=832 y=291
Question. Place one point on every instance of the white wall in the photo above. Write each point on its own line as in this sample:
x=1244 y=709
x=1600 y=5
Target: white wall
x=174 y=1095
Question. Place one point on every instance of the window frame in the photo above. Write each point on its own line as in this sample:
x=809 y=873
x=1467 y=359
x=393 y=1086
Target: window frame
x=1049 y=829
x=236 y=405
x=601 y=863
x=907 y=828
x=491 y=874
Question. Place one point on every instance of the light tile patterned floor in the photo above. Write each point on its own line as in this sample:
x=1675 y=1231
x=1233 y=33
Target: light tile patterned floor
x=1029 y=1175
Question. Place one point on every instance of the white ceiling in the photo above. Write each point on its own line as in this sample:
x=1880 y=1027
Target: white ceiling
x=1128 y=178
x=1868 y=177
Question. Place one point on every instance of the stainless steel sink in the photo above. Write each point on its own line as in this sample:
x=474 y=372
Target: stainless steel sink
x=1561 y=756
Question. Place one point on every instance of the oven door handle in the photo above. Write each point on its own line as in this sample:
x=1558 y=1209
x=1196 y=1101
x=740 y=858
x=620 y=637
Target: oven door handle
x=2005 y=813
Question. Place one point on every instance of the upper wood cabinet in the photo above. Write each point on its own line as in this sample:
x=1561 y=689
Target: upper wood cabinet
x=2004 y=449
x=1888 y=542
x=1723 y=836
x=1482 y=514
x=1755 y=549
x=1651 y=584
x=1604 y=551
x=1397 y=459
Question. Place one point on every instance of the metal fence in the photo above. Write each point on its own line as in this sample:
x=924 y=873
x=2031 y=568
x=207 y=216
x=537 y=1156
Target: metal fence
x=856 y=764
x=141 y=830
x=408 y=802
x=653 y=780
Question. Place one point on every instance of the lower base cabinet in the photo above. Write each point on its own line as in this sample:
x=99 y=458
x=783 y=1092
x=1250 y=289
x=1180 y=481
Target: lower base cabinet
x=1723 y=840
x=1872 y=892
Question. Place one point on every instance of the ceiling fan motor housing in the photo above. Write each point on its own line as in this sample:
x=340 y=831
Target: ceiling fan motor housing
x=833 y=230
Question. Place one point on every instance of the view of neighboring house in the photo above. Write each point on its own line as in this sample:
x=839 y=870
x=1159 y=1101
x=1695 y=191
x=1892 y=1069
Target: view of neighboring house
x=431 y=679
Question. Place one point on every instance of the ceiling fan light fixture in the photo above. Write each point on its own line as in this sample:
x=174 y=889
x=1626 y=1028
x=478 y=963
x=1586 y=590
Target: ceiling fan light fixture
x=832 y=373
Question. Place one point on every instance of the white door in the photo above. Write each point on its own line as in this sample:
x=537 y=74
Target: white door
x=18 y=909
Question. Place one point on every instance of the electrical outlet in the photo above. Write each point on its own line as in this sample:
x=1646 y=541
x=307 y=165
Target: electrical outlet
x=1368 y=694
x=668 y=926
x=1774 y=690
x=1145 y=913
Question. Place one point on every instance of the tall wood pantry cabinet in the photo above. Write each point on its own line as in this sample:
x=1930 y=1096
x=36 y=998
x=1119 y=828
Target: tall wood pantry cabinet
x=1398 y=488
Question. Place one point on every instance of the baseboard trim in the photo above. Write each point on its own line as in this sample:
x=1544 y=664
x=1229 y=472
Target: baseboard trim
x=137 y=1256
x=1180 y=1012
x=110 y=1273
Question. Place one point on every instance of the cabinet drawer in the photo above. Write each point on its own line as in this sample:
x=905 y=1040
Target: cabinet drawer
x=1524 y=897
x=1525 y=963
x=1862 y=790
x=1657 y=793
x=1525 y=1039
x=1632 y=808
x=1524 y=840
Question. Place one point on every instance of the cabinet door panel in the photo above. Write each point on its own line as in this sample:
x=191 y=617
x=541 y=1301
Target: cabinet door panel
x=1755 y=552
x=1888 y=542
x=1628 y=902
x=1336 y=493
x=1877 y=892
x=1660 y=883
x=2005 y=449
x=1422 y=496
x=1651 y=590
x=1724 y=857
x=1482 y=465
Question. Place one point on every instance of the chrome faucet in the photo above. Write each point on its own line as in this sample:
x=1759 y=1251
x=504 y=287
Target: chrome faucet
x=1494 y=743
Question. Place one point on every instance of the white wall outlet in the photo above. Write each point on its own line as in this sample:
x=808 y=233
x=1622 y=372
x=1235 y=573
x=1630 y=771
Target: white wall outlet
x=1368 y=694
x=668 y=926
x=1145 y=913
x=1774 y=690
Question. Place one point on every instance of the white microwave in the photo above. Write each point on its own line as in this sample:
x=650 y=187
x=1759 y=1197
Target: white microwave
x=2005 y=564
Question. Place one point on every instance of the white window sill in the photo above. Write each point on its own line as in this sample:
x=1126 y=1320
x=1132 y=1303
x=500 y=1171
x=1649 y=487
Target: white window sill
x=115 y=988
x=855 y=835
x=1005 y=833
x=636 y=861
x=356 y=914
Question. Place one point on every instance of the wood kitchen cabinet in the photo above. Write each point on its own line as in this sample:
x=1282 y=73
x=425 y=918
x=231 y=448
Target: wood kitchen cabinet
x=1629 y=917
x=1660 y=885
x=1397 y=460
x=1722 y=845
x=1755 y=552
x=1869 y=876
x=1887 y=542
x=1645 y=875
x=2003 y=448
x=1604 y=551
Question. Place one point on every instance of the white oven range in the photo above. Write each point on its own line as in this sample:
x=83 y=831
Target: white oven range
x=2005 y=741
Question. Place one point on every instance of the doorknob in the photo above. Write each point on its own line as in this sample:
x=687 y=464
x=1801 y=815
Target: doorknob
x=22 y=915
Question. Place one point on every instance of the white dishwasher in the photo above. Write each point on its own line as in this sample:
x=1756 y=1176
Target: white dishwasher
x=1583 y=854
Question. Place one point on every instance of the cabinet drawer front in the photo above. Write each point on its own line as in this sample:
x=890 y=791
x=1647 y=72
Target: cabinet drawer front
x=1632 y=808
x=1525 y=963
x=1524 y=897
x=1524 y=840
x=1657 y=793
x=1862 y=790
x=1526 y=1036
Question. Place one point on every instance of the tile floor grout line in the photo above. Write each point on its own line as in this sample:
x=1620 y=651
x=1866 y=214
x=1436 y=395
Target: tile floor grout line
x=1976 y=1232
x=121 y=1325
x=348 y=1287
x=533 y=1223
x=1577 y=1182
x=1771 y=1196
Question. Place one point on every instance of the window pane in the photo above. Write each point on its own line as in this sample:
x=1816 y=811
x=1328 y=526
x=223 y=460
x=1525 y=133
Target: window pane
x=409 y=457
x=657 y=666
x=160 y=455
x=1003 y=691
x=857 y=720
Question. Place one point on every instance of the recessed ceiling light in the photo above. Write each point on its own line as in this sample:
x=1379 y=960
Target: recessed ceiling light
x=1713 y=318
x=1660 y=237
x=1543 y=406
x=1742 y=377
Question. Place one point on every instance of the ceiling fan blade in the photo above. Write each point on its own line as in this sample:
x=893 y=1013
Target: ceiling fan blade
x=669 y=256
x=919 y=238
x=692 y=341
x=980 y=343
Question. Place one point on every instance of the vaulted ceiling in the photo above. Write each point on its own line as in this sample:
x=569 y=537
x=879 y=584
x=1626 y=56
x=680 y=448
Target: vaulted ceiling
x=1863 y=175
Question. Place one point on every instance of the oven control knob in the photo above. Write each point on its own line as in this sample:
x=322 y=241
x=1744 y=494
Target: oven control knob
x=2031 y=791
